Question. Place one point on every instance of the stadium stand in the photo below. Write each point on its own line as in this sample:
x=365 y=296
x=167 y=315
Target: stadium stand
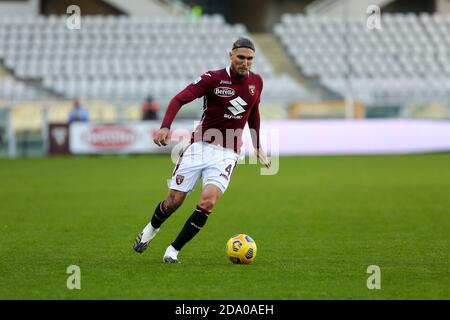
x=407 y=61
x=122 y=57
x=11 y=89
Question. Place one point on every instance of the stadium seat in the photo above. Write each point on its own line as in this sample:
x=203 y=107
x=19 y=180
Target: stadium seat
x=409 y=47
x=110 y=57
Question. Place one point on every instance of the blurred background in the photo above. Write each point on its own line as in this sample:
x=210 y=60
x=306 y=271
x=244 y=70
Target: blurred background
x=96 y=76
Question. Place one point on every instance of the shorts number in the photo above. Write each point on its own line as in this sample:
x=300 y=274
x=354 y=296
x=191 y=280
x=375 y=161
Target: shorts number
x=228 y=170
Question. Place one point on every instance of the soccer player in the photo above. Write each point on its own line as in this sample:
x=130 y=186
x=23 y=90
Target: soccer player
x=231 y=99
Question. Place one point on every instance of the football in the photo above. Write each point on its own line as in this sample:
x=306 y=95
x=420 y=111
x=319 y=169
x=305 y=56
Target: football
x=241 y=249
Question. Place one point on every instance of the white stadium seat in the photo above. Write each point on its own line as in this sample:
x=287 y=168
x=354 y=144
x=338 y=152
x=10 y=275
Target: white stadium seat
x=121 y=57
x=397 y=64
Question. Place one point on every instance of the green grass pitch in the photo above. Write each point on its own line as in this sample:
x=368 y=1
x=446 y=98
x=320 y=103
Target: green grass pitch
x=319 y=223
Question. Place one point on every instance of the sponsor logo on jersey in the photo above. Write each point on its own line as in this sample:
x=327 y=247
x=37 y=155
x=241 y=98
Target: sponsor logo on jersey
x=237 y=105
x=179 y=179
x=225 y=82
x=230 y=116
x=251 y=88
x=224 y=92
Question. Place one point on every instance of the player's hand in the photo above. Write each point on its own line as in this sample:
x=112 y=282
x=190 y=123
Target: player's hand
x=162 y=137
x=262 y=156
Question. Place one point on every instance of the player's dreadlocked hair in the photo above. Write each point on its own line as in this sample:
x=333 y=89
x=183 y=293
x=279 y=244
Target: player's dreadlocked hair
x=243 y=43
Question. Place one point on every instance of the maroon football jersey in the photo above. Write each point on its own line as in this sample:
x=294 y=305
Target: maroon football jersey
x=228 y=104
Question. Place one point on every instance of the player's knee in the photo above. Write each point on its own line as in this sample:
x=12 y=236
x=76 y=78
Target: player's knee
x=207 y=204
x=209 y=198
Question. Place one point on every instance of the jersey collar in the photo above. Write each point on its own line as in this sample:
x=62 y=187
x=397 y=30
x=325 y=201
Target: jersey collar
x=229 y=73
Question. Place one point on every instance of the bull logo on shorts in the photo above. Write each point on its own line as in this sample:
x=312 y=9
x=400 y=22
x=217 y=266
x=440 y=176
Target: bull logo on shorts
x=179 y=179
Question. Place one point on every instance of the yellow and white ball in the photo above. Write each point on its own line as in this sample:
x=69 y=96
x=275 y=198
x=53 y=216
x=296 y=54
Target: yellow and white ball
x=241 y=249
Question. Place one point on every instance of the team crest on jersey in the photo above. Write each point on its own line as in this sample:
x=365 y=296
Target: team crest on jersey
x=179 y=179
x=252 y=88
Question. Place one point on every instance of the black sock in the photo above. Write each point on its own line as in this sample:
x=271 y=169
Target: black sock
x=159 y=216
x=192 y=226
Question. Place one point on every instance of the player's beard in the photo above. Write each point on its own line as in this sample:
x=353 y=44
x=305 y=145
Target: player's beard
x=239 y=75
